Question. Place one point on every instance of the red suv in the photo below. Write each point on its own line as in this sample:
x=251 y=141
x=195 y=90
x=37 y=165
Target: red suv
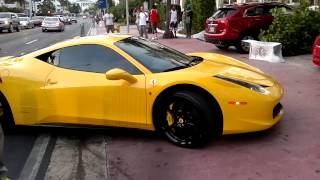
x=316 y=51
x=234 y=23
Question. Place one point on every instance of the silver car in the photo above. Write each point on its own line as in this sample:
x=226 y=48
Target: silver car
x=52 y=24
x=25 y=22
x=9 y=21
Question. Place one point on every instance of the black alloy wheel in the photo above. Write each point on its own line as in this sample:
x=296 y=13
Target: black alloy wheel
x=244 y=47
x=185 y=119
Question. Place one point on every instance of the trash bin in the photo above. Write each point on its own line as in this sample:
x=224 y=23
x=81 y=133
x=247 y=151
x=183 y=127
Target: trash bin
x=266 y=51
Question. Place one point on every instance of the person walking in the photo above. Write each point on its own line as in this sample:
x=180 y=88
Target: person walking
x=136 y=13
x=154 y=19
x=108 y=21
x=143 y=16
x=174 y=20
x=188 y=20
x=3 y=169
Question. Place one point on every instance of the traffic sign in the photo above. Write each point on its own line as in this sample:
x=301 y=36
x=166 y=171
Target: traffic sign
x=103 y=4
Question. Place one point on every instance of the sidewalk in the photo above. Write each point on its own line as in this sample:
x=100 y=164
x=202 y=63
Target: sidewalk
x=194 y=45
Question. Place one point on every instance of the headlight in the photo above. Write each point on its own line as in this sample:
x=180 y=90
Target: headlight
x=255 y=87
x=6 y=22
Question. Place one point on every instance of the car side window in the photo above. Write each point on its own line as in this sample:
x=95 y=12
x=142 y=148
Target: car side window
x=256 y=11
x=51 y=57
x=93 y=58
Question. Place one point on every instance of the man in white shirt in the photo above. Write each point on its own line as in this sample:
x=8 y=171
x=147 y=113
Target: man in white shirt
x=174 y=20
x=108 y=21
x=143 y=16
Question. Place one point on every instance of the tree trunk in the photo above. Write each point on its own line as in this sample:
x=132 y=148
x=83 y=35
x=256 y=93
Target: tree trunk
x=168 y=34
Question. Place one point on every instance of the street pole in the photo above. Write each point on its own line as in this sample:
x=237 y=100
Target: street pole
x=168 y=34
x=127 y=15
x=30 y=8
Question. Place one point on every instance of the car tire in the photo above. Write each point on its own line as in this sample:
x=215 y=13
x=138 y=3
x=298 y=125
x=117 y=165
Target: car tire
x=222 y=47
x=10 y=30
x=6 y=119
x=243 y=47
x=185 y=119
x=43 y=30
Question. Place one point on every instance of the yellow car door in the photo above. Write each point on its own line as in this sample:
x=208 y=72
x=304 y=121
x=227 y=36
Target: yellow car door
x=78 y=91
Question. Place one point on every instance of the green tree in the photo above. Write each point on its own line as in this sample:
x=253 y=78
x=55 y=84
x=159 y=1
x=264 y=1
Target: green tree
x=202 y=9
x=75 y=8
x=46 y=7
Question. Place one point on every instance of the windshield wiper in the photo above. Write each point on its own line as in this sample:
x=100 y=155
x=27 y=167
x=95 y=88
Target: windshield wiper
x=175 y=68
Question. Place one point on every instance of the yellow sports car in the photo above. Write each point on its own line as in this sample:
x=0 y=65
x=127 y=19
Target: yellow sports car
x=126 y=81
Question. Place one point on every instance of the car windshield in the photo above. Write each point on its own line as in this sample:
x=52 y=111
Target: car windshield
x=224 y=12
x=3 y=15
x=23 y=18
x=155 y=56
x=51 y=19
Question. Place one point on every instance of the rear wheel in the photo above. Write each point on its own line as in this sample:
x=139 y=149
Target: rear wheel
x=222 y=47
x=185 y=119
x=244 y=47
x=6 y=118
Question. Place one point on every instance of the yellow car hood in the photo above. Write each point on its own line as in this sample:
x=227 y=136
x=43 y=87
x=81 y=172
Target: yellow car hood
x=226 y=66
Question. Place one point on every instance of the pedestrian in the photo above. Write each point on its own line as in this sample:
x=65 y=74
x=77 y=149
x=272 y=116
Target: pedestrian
x=143 y=16
x=108 y=21
x=136 y=13
x=174 y=20
x=154 y=18
x=3 y=169
x=188 y=20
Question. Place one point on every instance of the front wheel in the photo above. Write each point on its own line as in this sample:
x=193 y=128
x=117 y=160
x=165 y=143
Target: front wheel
x=185 y=119
x=10 y=28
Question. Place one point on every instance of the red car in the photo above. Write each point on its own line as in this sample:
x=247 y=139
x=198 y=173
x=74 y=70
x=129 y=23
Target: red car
x=316 y=51
x=234 y=23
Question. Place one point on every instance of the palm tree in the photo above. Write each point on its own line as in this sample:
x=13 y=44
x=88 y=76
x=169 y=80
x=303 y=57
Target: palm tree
x=168 y=34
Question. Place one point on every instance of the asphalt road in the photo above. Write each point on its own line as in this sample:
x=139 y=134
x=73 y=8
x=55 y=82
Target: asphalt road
x=19 y=144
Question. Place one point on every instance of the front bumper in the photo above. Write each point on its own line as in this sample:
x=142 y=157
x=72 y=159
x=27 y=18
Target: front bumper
x=4 y=26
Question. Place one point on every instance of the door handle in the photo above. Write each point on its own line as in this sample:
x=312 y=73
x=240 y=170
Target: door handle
x=50 y=81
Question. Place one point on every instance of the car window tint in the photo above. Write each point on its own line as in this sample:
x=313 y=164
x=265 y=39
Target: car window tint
x=224 y=12
x=154 y=56
x=94 y=58
x=256 y=11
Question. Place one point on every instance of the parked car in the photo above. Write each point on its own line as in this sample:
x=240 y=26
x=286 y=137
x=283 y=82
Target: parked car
x=26 y=23
x=9 y=21
x=234 y=23
x=316 y=51
x=52 y=23
x=37 y=20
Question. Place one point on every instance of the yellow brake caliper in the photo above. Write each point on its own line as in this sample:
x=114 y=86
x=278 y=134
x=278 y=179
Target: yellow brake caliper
x=170 y=118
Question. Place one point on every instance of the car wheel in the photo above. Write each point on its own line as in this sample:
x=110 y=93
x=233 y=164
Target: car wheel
x=6 y=117
x=18 y=28
x=243 y=47
x=223 y=47
x=185 y=119
x=10 y=28
x=43 y=30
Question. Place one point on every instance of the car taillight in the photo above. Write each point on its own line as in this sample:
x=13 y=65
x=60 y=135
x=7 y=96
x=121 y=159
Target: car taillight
x=222 y=26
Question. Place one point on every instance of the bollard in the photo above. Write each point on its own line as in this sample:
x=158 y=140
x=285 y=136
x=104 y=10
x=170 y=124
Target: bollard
x=82 y=34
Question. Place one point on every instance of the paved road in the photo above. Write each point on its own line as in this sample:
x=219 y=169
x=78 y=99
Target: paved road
x=19 y=144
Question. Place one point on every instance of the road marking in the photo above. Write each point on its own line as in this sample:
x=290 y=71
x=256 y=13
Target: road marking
x=32 y=41
x=32 y=165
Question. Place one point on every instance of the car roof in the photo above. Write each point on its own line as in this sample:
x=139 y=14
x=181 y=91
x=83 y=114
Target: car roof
x=249 y=5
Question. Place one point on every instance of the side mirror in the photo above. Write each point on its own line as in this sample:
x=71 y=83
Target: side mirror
x=117 y=74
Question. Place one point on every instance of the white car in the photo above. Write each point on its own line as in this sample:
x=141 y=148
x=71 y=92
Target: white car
x=25 y=22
